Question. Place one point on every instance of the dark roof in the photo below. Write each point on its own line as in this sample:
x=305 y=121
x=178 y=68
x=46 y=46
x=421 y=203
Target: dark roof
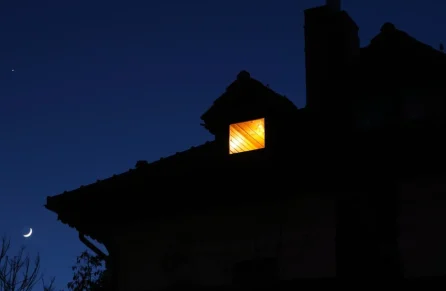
x=245 y=98
x=155 y=189
x=394 y=40
x=100 y=193
x=398 y=57
x=198 y=153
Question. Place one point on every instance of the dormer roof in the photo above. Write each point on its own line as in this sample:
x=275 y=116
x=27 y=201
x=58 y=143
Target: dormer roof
x=244 y=99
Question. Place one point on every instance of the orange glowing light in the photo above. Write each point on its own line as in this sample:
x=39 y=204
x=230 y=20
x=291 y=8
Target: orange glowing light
x=247 y=136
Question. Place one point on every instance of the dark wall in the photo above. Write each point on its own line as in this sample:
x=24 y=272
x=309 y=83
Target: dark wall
x=422 y=223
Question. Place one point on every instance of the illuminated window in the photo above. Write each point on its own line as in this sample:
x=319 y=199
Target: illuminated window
x=247 y=136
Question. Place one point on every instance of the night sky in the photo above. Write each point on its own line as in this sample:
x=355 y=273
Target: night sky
x=98 y=85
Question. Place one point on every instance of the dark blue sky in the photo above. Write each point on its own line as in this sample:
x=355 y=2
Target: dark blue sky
x=101 y=84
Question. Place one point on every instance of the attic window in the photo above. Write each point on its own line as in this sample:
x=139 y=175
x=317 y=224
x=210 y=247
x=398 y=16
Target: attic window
x=247 y=136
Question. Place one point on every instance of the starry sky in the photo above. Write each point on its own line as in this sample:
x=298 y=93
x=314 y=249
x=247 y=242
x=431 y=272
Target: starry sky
x=98 y=85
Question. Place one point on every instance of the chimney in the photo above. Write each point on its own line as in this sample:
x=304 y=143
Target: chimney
x=331 y=48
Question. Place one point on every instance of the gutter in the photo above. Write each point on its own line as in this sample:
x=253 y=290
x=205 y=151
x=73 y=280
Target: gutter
x=92 y=247
x=107 y=258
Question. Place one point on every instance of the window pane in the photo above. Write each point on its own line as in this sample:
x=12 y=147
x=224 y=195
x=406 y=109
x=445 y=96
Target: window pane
x=247 y=136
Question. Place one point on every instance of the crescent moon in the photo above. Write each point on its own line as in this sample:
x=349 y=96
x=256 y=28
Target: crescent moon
x=29 y=233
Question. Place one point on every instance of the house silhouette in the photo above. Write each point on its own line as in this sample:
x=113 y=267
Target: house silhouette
x=349 y=186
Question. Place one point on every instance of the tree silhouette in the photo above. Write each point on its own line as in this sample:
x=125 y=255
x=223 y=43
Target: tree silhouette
x=90 y=274
x=20 y=272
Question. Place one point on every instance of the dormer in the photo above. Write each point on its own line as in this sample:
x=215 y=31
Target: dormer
x=248 y=116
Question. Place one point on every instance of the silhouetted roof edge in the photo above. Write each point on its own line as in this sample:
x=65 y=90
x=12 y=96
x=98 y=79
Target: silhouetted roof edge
x=390 y=32
x=59 y=203
x=243 y=79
